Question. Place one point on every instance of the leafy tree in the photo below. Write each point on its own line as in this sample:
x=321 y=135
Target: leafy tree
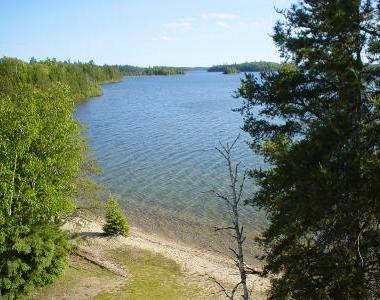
x=116 y=223
x=41 y=150
x=316 y=123
x=43 y=159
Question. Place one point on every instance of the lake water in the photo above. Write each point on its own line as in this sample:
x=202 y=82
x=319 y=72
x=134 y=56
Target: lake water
x=155 y=138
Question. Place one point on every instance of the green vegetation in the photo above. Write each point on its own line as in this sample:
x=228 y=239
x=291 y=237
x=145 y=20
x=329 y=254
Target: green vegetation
x=41 y=150
x=256 y=66
x=164 y=71
x=152 y=277
x=138 y=71
x=82 y=79
x=316 y=123
x=42 y=157
x=81 y=280
x=231 y=70
x=43 y=162
x=116 y=223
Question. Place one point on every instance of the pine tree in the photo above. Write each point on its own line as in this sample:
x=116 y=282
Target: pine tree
x=316 y=122
x=116 y=223
x=32 y=256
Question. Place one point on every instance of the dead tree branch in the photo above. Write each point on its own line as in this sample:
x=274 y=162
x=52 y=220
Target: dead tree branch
x=232 y=201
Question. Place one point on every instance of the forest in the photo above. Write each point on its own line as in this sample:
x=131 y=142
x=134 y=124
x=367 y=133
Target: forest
x=129 y=70
x=256 y=66
x=82 y=79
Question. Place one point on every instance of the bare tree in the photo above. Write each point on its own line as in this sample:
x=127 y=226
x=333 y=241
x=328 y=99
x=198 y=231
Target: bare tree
x=233 y=201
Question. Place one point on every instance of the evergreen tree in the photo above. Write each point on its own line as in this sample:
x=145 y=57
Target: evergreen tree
x=116 y=223
x=317 y=124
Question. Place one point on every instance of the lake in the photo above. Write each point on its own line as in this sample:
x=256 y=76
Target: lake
x=155 y=138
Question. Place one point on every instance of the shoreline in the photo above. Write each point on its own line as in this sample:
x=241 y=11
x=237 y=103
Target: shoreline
x=202 y=265
x=190 y=232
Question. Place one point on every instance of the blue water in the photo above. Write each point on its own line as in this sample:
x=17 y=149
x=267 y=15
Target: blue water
x=155 y=138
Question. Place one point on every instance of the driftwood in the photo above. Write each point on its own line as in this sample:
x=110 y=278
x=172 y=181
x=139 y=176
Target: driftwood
x=102 y=263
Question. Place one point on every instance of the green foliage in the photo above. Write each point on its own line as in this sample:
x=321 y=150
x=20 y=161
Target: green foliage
x=256 y=66
x=31 y=257
x=138 y=71
x=231 y=70
x=164 y=71
x=116 y=223
x=41 y=150
x=316 y=123
x=83 y=79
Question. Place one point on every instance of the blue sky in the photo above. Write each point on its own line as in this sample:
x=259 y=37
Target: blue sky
x=140 y=32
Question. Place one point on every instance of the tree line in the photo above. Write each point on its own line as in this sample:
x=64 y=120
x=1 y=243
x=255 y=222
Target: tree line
x=83 y=79
x=129 y=70
x=256 y=66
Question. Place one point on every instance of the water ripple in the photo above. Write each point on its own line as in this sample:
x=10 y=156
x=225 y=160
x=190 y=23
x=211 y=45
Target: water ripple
x=155 y=138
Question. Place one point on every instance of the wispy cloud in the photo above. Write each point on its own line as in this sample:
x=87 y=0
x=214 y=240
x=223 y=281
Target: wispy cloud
x=163 y=38
x=222 y=20
x=183 y=24
x=223 y=24
x=219 y=16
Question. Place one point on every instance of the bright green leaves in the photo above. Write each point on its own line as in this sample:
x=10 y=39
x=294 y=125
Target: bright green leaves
x=41 y=150
x=41 y=157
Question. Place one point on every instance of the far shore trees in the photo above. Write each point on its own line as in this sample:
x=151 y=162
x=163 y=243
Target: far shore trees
x=256 y=66
x=316 y=122
x=231 y=70
x=83 y=79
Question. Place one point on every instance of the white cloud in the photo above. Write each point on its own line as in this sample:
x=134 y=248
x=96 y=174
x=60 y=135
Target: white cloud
x=163 y=38
x=222 y=20
x=223 y=24
x=184 y=24
x=219 y=16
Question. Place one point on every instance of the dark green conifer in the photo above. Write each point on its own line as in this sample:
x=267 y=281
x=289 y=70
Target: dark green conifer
x=116 y=223
x=317 y=124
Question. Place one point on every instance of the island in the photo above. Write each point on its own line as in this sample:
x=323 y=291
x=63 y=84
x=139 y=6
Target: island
x=256 y=66
x=129 y=70
x=231 y=70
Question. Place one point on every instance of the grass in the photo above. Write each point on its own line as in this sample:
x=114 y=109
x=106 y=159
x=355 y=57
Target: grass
x=152 y=277
x=82 y=279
